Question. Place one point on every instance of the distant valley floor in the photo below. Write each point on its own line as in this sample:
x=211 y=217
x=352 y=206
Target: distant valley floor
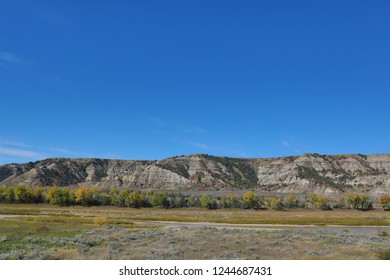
x=50 y=232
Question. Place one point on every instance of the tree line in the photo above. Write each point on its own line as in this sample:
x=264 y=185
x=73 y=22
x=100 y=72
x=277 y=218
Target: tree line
x=89 y=196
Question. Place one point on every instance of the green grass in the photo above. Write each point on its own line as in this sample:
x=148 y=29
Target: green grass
x=116 y=215
x=27 y=232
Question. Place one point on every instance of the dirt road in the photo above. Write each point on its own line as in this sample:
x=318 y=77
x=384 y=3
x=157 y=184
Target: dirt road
x=269 y=227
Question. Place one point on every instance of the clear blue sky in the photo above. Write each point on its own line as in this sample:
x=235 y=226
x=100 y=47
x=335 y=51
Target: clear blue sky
x=154 y=79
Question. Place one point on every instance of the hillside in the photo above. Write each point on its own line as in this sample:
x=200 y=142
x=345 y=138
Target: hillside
x=299 y=174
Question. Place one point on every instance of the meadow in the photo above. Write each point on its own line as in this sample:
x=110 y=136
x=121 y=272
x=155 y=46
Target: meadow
x=35 y=231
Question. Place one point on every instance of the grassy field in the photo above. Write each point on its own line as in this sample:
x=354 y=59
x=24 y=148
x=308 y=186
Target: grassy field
x=346 y=217
x=51 y=232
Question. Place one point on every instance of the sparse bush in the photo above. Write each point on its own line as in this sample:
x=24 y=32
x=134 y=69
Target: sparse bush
x=384 y=255
x=41 y=228
x=326 y=207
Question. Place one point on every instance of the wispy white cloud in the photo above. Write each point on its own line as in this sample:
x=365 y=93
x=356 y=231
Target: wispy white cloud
x=13 y=143
x=231 y=150
x=9 y=58
x=296 y=147
x=199 y=145
x=65 y=151
x=197 y=130
x=22 y=150
x=50 y=79
x=157 y=121
x=285 y=143
x=21 y=153
x=49 y=17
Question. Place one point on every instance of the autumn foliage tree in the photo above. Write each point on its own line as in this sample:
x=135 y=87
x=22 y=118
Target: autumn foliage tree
x=83 y=196
x=384 y=200
x=274 y=202
x=252 y=199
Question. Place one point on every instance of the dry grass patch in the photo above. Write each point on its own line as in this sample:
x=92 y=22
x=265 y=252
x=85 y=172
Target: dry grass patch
x=383 y=255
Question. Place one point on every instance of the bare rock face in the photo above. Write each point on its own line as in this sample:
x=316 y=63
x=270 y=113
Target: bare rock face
x=331 y=174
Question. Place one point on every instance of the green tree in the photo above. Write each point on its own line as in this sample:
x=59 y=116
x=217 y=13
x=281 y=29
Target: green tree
x=135 y=199
x=365 y=203
x=114 y=196
x=160 y=200
x=3 y=190
x=60 y=196
x=123 y=199
x=38 y=195
x=193 y=201
x=313 y=198
x=23 y=194
x=353 y=200
x=207 y=201
x=9 y=195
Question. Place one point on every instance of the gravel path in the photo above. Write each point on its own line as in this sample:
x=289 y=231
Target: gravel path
x=6 y=216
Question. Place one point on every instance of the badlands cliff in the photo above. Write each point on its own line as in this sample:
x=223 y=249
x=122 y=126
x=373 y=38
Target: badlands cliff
x=297 y=174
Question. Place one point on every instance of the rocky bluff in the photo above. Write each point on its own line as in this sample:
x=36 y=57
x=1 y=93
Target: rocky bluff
x=296 y=174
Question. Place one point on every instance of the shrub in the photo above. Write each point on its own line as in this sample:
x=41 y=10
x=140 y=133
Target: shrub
x=384 y=255
x=326 y=207
x=41 y=228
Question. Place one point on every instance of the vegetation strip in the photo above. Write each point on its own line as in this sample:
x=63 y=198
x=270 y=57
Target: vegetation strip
x=88 y=196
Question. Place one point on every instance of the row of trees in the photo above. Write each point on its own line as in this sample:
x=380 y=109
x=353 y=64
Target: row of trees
x=87 y=196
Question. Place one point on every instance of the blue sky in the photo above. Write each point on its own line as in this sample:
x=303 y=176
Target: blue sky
x=154 y=79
